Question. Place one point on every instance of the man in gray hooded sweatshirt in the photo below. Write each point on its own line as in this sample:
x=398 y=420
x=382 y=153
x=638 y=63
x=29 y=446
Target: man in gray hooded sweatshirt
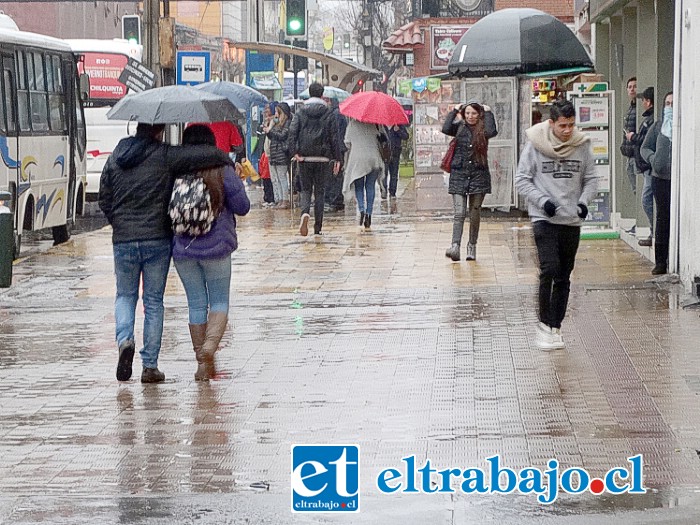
x=556 y=175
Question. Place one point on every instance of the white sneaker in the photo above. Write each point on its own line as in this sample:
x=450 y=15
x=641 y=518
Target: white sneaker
x=557 y=339
x=545 y=337
x=304 y=225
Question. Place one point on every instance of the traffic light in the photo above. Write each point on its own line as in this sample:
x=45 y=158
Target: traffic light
x=296 y=17
x=131 y=28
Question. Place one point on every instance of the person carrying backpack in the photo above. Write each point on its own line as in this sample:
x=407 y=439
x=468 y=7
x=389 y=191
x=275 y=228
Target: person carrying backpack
x=203 y=262
x=313 y=143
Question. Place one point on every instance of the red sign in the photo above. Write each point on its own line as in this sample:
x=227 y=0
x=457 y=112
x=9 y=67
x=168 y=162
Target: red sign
x=104 y=70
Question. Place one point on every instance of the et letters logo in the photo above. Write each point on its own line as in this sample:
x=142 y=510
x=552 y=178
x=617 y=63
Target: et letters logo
x=325 y=478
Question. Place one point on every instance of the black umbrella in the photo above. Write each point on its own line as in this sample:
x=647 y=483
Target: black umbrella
x=512 y=42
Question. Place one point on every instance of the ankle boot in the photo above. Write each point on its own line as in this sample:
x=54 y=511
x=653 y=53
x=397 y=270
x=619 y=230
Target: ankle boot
x=368 y=222
x=471 y=252
x=453 y=252
x=216 y=326
x=362 y=218
x=198 y=334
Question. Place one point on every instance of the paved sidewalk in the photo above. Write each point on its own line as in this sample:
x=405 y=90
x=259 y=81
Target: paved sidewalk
x=372 y=338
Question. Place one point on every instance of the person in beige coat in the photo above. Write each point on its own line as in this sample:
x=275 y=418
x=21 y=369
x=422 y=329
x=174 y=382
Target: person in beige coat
x=363 y=166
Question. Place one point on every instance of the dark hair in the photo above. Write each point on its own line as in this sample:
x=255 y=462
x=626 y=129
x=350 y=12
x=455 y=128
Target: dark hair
x=316 y=90
x=562 y=108
x=198 y=135
x=149 y=130
x=666 y=95
x=630 y=80
x=479 y=140
x=648 y=94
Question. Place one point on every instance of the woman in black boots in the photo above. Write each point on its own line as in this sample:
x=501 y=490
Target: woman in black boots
x=472 y=124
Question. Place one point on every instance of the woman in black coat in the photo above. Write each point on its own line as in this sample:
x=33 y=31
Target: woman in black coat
x=472 y=124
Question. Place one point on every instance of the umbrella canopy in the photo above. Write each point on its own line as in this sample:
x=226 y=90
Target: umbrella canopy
x=173 y=105
x=373 y=107
x=328 y=92
x=241 y=96
x=512 y=42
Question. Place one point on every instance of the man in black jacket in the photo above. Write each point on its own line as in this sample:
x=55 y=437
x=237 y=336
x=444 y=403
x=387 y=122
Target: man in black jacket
x=630 y=124
x=313 y=143
x=135 y=189
x=642 y=165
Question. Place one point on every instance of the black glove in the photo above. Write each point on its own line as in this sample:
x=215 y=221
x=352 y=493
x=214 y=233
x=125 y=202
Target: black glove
x=550 y=208
x=582 y=210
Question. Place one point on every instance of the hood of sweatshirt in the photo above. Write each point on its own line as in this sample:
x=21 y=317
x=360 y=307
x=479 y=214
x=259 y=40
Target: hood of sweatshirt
x=132 y=151
x=546 y=142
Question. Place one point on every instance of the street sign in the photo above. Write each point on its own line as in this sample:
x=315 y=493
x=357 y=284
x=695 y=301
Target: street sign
x=137 y=77
x=590 y=87
x=193 y=67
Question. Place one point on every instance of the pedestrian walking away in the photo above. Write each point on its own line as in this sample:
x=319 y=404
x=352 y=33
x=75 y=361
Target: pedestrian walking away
x=135 y=189
x=656 y=150
x=397 y=134
x=472 y=124
x=363 y=167
x=335 y=200
x=556 y=175
x=313 y=143
x=204 y=262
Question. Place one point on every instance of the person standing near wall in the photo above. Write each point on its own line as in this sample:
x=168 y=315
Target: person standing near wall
x=629 y=125
x=656 y=150
x=642 y=165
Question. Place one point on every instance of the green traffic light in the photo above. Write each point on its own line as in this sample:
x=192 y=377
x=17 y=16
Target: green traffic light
x=294 y=25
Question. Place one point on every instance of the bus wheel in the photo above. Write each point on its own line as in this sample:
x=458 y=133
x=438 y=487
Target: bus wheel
x=61 y=234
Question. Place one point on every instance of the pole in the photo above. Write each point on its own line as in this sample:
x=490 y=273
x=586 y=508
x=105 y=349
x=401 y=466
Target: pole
x=295 y=91
x=151 y=13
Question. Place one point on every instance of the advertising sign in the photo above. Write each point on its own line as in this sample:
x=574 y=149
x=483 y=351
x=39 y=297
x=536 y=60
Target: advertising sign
x=137 y=77
x=104 y=70
x=591 y=111
x=443 y=41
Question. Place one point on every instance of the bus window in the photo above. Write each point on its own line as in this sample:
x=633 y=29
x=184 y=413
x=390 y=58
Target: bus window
x=7 y=82
x=6 y=101
x=38 y=95
x=57 y=101
x=22 y=92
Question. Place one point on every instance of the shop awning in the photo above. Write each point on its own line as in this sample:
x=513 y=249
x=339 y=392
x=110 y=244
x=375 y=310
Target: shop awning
x=404 y=39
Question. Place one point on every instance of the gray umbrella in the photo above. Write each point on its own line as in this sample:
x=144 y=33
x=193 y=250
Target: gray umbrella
x=241 y=96
x=173 y=105
x=512 y=42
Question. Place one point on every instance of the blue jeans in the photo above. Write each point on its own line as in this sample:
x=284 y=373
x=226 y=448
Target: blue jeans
x=648 y=200
x=366 y=185
x=207 y=285
x=132 y=261
x=632 y=173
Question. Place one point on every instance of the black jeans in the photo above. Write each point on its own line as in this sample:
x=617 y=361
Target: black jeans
x=313 y=178
x=391 y=174
x=662 y=196
x=556 y=247
x=334 y=191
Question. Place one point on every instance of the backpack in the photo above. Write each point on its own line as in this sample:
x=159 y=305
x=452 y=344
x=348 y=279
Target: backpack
x=384 y=147
x=190 y=206
x=313 y=136
x=642 y=165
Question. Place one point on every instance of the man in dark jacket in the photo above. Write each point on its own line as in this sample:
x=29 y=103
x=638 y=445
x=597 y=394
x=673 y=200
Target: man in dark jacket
x=135 y=189
x=313 y=143
x=335 y=200
x=630 y=124
x=396 y=134
x=643 y=166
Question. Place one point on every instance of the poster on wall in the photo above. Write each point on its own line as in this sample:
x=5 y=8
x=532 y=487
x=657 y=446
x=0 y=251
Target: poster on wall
x=443 y=41
x=591 y=111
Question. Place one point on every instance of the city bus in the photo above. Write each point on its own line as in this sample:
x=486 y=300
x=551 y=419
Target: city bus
x=42 y=132
x=103 y=61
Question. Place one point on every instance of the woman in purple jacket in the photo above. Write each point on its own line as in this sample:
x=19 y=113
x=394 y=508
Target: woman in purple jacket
x=204 y=262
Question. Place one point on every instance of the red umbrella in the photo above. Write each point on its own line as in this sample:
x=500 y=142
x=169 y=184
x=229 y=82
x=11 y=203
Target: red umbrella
x=374 y=107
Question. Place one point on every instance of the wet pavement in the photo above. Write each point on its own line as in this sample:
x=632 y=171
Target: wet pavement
x=370 y=338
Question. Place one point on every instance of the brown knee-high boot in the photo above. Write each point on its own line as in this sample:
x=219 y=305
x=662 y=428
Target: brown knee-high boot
x=216 y=326
x=198 y=334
